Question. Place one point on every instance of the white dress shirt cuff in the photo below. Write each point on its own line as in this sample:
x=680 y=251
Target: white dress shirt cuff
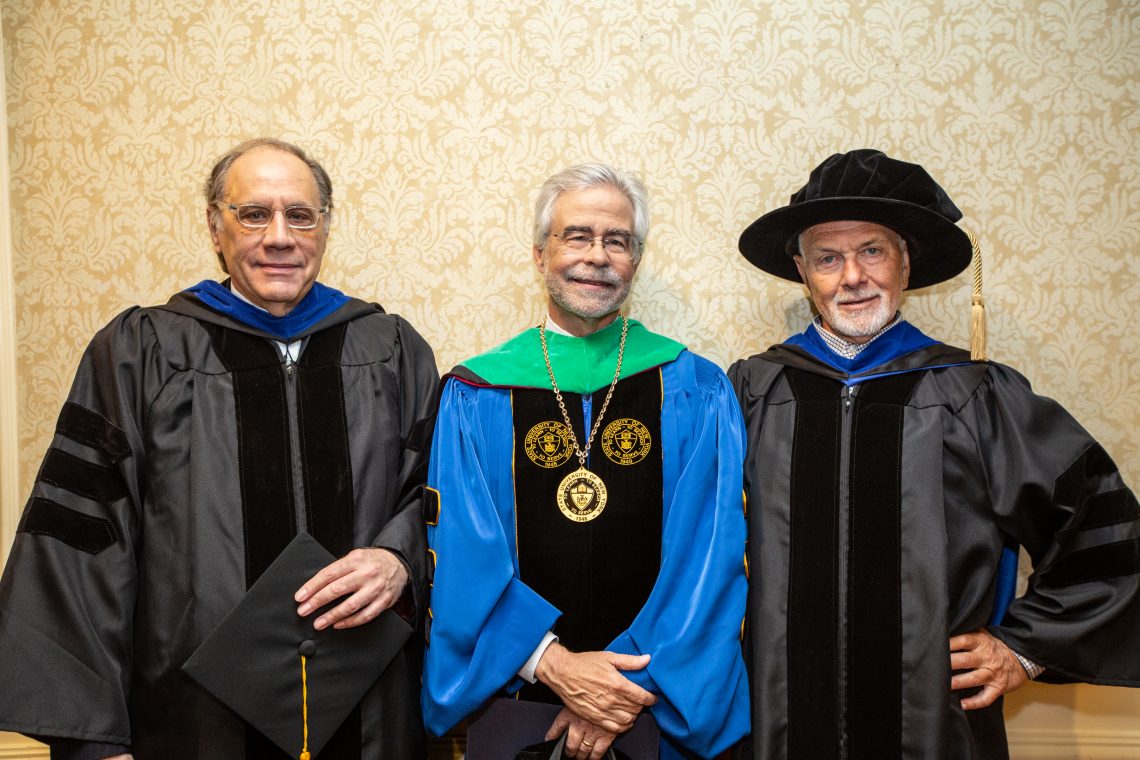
x=526 y=672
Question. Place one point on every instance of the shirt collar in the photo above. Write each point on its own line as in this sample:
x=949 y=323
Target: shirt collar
x=845 y=348
x=290 y=351
x=554 y=327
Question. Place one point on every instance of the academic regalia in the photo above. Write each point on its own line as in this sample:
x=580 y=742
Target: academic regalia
x=659 y=571
x=882 y=491
x=186 y=458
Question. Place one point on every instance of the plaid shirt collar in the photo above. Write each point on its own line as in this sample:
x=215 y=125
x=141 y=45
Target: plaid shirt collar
x=844 y=348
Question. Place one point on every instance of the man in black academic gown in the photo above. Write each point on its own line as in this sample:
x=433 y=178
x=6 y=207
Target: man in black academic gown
x=198 y=439
x=887 y=476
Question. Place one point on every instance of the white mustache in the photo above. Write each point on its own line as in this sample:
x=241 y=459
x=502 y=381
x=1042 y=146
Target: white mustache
x=593 y=274
x=858 y=295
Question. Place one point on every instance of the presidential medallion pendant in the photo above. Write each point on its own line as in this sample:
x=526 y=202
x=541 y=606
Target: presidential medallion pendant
x=581 y=495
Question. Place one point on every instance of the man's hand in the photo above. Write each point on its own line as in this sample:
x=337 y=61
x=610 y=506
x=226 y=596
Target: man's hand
x=591 y=685
x=374 y=578
x=584 y=740
x=988 y=663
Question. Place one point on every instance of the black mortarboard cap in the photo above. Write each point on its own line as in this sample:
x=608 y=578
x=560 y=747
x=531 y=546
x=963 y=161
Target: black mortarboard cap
x=866 y=185
x=252 y=660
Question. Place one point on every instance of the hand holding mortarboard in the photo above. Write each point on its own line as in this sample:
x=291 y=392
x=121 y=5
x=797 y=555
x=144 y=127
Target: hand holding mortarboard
x=371 y=578
x=291 y=682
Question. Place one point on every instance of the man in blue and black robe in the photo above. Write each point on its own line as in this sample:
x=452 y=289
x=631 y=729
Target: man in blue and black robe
x=613 y=582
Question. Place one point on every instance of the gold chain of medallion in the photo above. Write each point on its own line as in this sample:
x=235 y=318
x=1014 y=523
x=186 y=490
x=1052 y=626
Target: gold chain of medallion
x=581 y=496
x=581 y=454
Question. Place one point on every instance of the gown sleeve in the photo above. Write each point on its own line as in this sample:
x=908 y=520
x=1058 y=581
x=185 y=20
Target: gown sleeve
x=691 y=623
x=68 y=593
x=403 y=534
x=484 y=621
x=1059 y=494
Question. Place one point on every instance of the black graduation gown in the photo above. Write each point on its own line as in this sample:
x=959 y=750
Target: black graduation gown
x=877 y=518
x=185 y=459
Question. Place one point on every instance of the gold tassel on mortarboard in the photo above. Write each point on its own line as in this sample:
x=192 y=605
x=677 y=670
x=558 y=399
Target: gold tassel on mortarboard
x=977 y=306
x=305 y=709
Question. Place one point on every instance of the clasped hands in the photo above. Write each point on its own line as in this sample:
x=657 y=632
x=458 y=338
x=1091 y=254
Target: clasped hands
x=600 y=702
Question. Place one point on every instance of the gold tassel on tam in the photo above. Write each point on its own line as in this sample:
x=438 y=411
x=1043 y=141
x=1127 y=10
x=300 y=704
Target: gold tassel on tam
x=977 y=307
x=305 y=710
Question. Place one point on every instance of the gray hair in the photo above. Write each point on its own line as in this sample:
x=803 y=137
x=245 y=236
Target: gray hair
x=582 y=177
x=215 y=186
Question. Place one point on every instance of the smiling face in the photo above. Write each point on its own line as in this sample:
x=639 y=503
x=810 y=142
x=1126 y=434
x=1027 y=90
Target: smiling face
x=586 y=288
x=856 y=273
x=275 y=266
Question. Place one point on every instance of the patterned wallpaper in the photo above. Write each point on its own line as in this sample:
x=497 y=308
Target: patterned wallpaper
x=438 y=120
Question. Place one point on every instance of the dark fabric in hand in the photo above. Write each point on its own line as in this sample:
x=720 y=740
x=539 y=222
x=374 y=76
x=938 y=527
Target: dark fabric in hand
x=546 y=751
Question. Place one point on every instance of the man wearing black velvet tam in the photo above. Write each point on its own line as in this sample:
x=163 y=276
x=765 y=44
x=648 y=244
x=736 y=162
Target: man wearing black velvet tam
x=890 y=479
x=200 y=437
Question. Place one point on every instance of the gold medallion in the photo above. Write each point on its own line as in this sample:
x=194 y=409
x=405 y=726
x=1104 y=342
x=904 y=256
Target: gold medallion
x=547 y=444
x=626 y=441
x=581 y=495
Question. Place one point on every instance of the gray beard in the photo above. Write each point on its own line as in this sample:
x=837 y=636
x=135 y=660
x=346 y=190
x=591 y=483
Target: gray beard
x=865 y=326
x=587 y=306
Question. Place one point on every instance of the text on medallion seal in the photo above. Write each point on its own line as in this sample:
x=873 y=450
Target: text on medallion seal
x=547 y=444
x=626 y=441
x=581 y=496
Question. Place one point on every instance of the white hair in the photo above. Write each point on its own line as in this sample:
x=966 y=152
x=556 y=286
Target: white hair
x=585 y=176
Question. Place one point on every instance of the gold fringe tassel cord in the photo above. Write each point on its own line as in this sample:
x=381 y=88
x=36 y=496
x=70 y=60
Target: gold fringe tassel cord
x=977 y=306
x=305 y=709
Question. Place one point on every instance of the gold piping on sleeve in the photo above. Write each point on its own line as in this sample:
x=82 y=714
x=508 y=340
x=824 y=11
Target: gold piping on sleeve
x=514 y=500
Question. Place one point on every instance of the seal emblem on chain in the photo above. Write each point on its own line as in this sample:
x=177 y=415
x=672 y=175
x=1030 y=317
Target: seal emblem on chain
x=582 y=496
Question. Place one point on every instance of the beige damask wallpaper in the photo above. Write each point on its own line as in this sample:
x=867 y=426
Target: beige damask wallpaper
x=438 y=120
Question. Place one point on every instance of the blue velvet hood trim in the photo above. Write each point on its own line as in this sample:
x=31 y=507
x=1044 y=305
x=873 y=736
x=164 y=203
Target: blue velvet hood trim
x=318 y=303
x=901 y=339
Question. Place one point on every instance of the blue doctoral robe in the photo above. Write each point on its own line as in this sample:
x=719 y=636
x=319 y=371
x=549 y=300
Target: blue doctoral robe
x=485 y=621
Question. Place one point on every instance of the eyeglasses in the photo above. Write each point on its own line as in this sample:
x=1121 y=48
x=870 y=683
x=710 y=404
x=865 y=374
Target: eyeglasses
x=257 y=217
x=619 y=245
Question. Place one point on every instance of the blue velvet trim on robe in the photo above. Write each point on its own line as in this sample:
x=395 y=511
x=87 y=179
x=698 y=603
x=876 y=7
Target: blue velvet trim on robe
x=901 y=339
x=318 y=303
